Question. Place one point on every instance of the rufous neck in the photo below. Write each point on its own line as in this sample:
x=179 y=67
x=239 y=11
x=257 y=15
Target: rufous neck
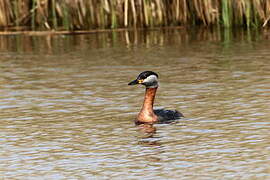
x=149 y=99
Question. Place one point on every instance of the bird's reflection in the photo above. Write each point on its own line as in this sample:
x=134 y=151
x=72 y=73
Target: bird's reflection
x=148 y=139
x=148 y=129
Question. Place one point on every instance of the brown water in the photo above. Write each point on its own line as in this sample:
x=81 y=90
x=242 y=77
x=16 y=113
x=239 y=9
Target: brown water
x=67 y=112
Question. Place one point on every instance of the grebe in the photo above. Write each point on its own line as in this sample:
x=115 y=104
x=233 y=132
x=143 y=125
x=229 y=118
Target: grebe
x=147 y=115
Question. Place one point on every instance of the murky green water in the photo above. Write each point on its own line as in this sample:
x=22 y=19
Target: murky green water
x=67 y=112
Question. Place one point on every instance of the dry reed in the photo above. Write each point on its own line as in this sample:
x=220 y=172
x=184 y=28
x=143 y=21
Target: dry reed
x=92 y=14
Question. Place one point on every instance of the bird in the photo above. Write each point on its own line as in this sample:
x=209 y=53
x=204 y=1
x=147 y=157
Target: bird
x=147 y=114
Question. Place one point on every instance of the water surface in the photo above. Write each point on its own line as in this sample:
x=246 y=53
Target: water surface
x=67 y=112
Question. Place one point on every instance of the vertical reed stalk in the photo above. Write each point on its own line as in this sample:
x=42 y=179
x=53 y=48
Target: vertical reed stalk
x=225 y=13
x=134 y=13
x=33 y=14
x=113 y=16
x=248 y=13
x=101 y=16
x=16 y=12
x=145 y=8
x=54 y=18
x=66 y=22
x=126 y=13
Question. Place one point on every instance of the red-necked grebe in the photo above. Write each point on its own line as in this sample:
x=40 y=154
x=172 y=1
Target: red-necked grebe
x=147 y=114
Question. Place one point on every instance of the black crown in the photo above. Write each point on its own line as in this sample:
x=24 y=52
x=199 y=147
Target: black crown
x=145 y=74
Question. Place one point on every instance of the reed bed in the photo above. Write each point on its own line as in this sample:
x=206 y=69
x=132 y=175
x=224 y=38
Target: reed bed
x=94 y=14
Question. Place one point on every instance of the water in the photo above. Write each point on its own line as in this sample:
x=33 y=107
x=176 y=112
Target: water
x=67 y=112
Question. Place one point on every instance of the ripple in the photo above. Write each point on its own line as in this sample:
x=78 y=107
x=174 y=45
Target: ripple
x=69 y=114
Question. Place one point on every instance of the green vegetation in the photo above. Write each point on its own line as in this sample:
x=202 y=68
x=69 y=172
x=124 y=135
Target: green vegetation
x=93 y=14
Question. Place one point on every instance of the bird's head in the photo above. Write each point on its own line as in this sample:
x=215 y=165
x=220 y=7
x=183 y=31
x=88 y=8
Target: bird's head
x=147 y=78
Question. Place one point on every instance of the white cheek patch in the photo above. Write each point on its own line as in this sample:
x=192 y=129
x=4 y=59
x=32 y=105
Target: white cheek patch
x=150 y=79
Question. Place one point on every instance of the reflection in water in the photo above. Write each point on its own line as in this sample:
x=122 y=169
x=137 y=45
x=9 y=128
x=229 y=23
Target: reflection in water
x=57 y=44
x=67 y=112
x=148 y=129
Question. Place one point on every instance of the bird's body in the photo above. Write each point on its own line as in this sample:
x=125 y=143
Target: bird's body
x=165 y=115
x=147 y=113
